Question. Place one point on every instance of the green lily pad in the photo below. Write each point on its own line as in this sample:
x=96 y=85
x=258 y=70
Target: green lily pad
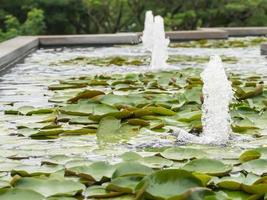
x=230 y=195
x=110 y=130
x=179 y=154
x=65 y=86
x=21 y=194
x=171 y=184
x=87 y=94
x=50 y=187
x=208 y=166
x=125 y=184
x=86 y=109
x=258 y=166
x=250 y=183
x=94 y=172
x=131 y=169
x=33 y=170
x=131 y=156
x=100 y=192
x=156 y=162
x=190 y=116
x=249 y=155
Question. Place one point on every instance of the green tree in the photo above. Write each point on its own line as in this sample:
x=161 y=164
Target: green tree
x=33 y=25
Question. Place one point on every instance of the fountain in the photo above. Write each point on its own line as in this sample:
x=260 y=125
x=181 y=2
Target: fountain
x=217 y=93
x=147 y=37
x=160 y=45
x=154 y=40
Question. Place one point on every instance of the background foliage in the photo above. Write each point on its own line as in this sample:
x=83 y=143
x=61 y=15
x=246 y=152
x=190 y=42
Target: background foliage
x=31 y=17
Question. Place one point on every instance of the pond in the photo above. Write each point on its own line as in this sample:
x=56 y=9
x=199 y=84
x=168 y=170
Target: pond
x=100 y=123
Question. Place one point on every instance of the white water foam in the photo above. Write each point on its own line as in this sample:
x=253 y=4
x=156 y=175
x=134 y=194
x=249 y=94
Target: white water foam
x=147 y=37
x=217 y=94
x=160 y=45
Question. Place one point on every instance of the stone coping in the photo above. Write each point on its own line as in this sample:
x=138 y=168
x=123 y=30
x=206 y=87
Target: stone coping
x=264 y=49
x=92 y=39
x=245 y=31
x=13 y=50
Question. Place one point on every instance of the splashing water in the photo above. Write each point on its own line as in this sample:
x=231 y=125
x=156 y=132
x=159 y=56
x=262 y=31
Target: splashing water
x=160 y=45
x=154 y=40
x=147 y=37
x=217 y=93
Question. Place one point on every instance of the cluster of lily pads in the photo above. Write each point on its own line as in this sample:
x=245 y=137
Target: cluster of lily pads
x=230 y=43
x=138 y=61
x=119 y=107
x=176 y=173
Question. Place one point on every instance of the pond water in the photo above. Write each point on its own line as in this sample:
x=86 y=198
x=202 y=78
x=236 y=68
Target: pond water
x=27 y=84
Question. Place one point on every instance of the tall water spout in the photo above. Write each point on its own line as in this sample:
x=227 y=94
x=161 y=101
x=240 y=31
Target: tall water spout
x=147 y=37
x=217 y=93
x=160 y=45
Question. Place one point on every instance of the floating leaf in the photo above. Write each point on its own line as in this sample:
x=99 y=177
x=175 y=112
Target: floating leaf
x=249 y=155
x=178 y=153
x=243 y=93
x=250 y=183
x=208 y=166
x=21 y=194
x=87 y=94
x=100 y=192
x=35 y=170
x=124 y=184
x=138 y=122
x=65 y=86
x=171 y=184
x=86 y=109
x=156 y=162
x=189 y=116
x=94 y=172
x=108 y=129
x=131 y=169
x=50 y=187
x=258 y=166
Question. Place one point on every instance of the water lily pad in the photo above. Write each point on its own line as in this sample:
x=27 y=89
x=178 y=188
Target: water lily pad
x=124 y=184
x=50 y=187
x=131 y=156
x=250 y=183
x=100 y=192
x=110 y=130
x=179 y=154
x=249 y=155
x=22 y=194
x=86 y=109
x=228 y=194
x=35 y=170
x=171 y=184
x=65 y=86
x=156 y=162
x=208 y=166
x=258 y=166
x=131 y=169
x=87 y=94
x=94 y=172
